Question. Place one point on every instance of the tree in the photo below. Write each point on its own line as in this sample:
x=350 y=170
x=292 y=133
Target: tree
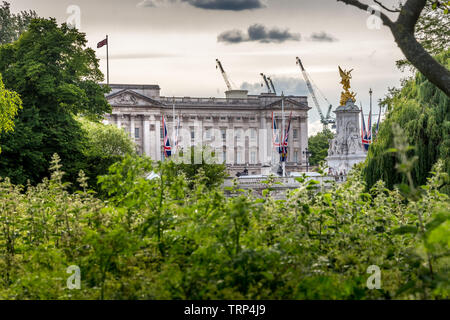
x=213 y=173
x=422 y=111
x=57 y=78
x=105 y=145
x=12 y=26
x=403 y=30
x=430 y=33
x=318 y=146
x=10 y=103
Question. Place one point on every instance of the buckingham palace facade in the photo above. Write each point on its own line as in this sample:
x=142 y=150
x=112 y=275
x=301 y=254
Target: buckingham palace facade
x=238 y=127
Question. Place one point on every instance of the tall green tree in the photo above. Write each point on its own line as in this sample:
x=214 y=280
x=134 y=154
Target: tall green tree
x=105 y=145
x=10 y=103
x=13 y=25
x=318 y=146
x=422 y=111
x=57 y=78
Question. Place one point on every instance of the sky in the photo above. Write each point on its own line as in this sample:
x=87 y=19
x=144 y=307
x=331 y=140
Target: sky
x=175 y=43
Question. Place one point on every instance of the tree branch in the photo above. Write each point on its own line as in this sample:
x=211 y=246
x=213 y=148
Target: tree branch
x=410 y=13
x=386 y=21
x=386 y=8
x=403 y=31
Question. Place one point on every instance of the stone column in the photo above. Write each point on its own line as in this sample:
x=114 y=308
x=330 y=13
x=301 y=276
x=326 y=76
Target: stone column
x=153 y=152
x=132 y=128
x=303 y=138
x=271 y=154
x=119 y=121
x=262 y=137
x=146 y=136
x=158 y=139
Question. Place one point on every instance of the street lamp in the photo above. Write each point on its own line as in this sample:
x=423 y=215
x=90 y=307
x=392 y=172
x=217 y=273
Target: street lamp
x=308 y=154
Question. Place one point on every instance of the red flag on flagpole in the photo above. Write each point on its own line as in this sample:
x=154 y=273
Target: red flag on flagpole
x=102 y=43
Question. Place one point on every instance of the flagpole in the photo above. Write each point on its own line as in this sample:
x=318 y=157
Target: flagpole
x=107 y=60
x=173 y=123
x=370 y=115
x=283 y=164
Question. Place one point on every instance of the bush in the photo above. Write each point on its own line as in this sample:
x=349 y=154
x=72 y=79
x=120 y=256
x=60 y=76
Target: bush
x=164 y=239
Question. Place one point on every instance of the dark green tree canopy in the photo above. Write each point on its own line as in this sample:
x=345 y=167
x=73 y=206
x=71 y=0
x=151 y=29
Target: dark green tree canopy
x=10 y=103
x=57 y=78
x=318 y=146
x=422 y=111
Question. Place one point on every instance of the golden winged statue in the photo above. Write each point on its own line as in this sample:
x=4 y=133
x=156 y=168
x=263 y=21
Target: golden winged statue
x=346 y=94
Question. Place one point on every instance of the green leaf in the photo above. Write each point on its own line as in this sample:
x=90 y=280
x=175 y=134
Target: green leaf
x=405 y=230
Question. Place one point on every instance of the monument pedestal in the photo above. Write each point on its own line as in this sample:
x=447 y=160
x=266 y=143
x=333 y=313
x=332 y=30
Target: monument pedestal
x=346 y=148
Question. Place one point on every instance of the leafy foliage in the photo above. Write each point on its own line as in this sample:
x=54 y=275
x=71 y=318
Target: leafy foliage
x=104 y=145
x=430 y=30
x=318 y=146
x=10 y=103
x=56 y=77
x=200 y=159
x=160 y=239
x=422 y=111
x=13 y=25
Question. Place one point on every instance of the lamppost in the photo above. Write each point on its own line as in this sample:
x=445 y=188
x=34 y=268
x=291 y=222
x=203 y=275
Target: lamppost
x=308 y=154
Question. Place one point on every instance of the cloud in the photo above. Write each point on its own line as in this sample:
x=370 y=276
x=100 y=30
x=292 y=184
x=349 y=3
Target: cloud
x=230 y=5
x=150 y=3
x=232 y=36
x=322 y=37
x=233 y=5
x=258 y=33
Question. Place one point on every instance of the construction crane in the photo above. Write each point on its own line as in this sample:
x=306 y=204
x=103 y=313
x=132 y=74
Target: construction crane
x=267 y=82
x=271 y=83
x=224 y=74
x=325 y=120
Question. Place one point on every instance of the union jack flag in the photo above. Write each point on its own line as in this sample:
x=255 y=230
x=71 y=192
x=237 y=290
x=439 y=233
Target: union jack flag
x=283 y=149
x=167 y=147
x=378 y=125
x=365 y=139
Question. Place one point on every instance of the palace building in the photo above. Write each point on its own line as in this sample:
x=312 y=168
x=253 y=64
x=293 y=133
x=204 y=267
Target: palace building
x=238 y=127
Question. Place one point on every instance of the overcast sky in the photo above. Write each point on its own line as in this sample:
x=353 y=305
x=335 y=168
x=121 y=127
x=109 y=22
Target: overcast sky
x=174 y=43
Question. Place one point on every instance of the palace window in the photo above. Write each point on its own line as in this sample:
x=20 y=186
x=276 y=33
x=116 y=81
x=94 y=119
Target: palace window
x=296 y=156
x=136 y=133
x=238 y=134
x=239 y=157
x=223 y=132
x=295 y=133
x=192 y=133
x=208 y=133
x=253 y=157
x=253 y=133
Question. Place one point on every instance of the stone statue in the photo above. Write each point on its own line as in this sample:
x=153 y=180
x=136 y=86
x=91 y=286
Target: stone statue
x=346 y=94
x=354 y=143
x=127 y=99
x=331 y=148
